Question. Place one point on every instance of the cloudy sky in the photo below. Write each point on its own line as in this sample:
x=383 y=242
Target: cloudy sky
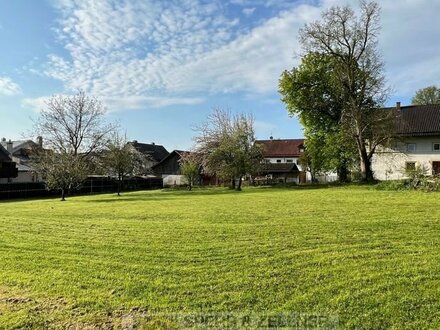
x=160 y=66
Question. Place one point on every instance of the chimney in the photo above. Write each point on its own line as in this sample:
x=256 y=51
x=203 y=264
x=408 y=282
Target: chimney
x=40 y=141
x=153 y=143
x=398 y=106
x=9 y=146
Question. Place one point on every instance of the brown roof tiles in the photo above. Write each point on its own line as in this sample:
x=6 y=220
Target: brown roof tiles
x=281 y=148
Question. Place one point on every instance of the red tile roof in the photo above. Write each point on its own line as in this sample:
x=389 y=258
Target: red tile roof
x=281 y=148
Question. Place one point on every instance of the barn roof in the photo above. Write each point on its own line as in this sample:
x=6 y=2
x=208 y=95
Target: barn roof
x=156 y=151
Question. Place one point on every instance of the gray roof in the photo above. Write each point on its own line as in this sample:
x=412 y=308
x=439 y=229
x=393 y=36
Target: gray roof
x=156 y=151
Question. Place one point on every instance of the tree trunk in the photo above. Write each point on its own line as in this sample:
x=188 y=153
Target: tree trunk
x=119 y=184
x=190 y=184
x=233 y=183
x=239 y=184
x=63 y=195
x=342 y=172
x=367 y=172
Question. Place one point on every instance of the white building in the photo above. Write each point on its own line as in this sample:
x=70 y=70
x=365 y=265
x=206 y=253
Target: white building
x=418 y=146
x=281 y=160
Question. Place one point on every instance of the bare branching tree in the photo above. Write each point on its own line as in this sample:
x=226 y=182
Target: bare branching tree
x=74 y=131
x=61 y=171
x=351 y=41
x=74 y=124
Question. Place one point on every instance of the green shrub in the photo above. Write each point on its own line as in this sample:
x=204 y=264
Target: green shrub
x=392 y=185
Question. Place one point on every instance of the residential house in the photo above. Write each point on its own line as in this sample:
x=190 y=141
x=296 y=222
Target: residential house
x=8 y=169
x=20 y=152
x=417 y=145
x=153 y=154
x=281 y=161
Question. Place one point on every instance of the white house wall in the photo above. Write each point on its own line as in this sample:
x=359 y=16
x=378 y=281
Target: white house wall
x=390 y=164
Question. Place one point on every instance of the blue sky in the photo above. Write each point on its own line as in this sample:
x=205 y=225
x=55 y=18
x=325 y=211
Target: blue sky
x=161 y=66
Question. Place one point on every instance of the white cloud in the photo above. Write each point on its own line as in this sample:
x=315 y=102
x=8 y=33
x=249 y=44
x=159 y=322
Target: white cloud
x=35 y=104
x=148 y=53
x=117 y=103
x=8 y=87
x=138 y=102
x=248 y=11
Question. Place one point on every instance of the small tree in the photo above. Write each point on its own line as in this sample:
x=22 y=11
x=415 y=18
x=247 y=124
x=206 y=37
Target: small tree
x=190 y=167
x=119 y=159
x=74 y=130
x=427 y=95
x=61 y=171
x=226 y=144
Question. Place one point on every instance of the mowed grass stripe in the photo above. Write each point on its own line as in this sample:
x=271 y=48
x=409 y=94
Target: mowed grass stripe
x=370 y=257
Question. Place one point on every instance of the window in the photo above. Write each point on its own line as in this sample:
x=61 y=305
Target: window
x=411 y=147
x=410 y=166
x=436 y=146
x=289 y=161
x=278 y=160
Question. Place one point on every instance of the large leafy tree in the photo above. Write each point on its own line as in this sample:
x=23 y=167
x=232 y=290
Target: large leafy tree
x=227 y=147
x=427 y=95
x=74 y=131
x=351 y=41
x=312 y=92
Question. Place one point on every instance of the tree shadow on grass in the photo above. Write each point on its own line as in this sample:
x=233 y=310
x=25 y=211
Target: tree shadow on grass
x=179 y=193
x=164 y=194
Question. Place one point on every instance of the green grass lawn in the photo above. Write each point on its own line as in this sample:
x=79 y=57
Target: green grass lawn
x=368 y=259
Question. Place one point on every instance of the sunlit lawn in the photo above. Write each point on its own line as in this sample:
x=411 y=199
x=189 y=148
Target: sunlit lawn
x=359 y=257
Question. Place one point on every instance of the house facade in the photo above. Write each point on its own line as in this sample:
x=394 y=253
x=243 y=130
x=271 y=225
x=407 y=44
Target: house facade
x=20 y=152
x=417 y=145
x=281 y=161
x=8 y=168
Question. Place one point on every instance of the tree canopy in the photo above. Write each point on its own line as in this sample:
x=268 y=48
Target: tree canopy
x=73 y=130
x=227 y=147
x=427 y=95
x=119 y=159
x=354 y=87
x=312 y=92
